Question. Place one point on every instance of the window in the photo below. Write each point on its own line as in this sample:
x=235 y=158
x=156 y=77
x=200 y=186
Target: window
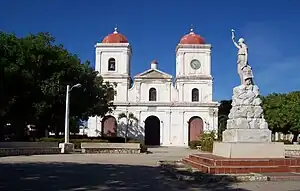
x=111 y=64
x=195 y=95
x=152 y=94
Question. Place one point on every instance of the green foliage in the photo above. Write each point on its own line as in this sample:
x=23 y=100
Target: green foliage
x=76 y=142
x=194 y=144
x=224 y=110
x=34 y=74
x=282 y=112
x=286 y=142
x=207 y=141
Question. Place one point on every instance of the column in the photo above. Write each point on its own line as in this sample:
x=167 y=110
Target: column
x=98 y=62
x=170 y=127
x=183 y=128
x=138 y=91
x=170 y=93
x=180 y=92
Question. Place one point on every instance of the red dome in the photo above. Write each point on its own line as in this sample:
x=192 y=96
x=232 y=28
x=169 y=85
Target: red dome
x=192 y=38
x=115 y=37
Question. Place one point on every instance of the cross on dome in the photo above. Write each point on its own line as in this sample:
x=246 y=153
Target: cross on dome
x=115 y=37
x=192 y=29
x=192 y=38
x=116 y=30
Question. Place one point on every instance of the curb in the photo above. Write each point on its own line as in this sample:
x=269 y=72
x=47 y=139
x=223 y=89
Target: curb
x=187 y=173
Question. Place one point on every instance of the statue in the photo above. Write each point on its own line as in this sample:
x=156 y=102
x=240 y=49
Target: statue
x=244 y=70
x=245 y=122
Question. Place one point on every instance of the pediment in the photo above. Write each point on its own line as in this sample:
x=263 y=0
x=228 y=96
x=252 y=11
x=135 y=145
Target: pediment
x=153 y=74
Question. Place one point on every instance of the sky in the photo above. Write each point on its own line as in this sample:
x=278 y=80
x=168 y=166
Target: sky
x=271 y=29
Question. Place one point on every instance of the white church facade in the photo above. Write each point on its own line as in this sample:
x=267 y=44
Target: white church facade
x=170 y=111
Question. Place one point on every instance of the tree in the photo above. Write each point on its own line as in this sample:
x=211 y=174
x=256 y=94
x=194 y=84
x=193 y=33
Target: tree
x=224 y=110
x=130 y=118
x=273 y=107
x=34 y=74
x=282 y=112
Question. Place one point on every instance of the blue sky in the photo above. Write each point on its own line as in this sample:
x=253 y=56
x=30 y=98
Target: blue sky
x=271 y=29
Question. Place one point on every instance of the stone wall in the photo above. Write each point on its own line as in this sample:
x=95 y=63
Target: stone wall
x=28 y=151
x=292 y=150
x=112 y=148
x=28 y=144
x=28 y=148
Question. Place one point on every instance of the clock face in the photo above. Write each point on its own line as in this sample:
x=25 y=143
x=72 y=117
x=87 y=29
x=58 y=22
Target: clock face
x=195 y=64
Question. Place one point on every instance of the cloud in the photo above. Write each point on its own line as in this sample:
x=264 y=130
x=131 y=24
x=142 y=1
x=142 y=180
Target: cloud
x=275 y=70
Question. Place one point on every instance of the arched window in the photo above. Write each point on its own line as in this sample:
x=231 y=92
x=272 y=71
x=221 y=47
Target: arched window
x=152 y=94
x=195 y=94
x=111 y=64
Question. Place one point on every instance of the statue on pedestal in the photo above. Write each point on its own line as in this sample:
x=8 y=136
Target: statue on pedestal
x=247 y=134
x=245 y=120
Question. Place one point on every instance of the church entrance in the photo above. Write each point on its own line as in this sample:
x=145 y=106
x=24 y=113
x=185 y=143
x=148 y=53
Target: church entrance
x=195 y=128
x=109 y=126
x=152 y=130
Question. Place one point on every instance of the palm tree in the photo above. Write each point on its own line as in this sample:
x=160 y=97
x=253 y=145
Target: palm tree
x=130 y=118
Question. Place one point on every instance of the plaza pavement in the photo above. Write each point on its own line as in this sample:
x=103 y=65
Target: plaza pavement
x=108 y=172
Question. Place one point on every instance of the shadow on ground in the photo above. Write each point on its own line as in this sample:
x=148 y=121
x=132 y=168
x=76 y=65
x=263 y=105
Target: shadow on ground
x=93 y=177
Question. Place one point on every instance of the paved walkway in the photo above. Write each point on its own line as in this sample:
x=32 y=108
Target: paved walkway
x=104 y=172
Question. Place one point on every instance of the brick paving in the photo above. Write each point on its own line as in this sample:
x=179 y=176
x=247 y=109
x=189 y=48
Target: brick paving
x=105 y=172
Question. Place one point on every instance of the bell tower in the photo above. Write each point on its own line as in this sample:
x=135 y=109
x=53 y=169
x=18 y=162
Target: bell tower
x=193 y=69
x=113 y=57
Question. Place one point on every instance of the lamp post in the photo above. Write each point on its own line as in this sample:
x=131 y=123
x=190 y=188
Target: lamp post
x=66 y=146
x=67 y=110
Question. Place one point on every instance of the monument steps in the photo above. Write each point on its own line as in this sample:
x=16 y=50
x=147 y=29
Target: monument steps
x=211 y=164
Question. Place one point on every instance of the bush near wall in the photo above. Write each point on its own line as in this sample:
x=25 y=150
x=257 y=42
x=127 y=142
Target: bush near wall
x=76 y=142
x=194 y=144
x=206 y=142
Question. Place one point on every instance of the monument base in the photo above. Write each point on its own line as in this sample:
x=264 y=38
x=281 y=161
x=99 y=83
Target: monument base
x=249 y=150
x=212 y=164
x=66 y=147
x=247 y=135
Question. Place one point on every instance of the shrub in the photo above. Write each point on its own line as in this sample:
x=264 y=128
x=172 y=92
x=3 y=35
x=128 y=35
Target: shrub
x=207 y=141
x=76 y=142
x=194 y=144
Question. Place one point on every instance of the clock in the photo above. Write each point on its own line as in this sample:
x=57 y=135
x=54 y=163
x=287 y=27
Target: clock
x=195 y=64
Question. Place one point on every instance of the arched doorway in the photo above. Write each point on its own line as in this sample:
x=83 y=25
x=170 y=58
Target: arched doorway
x=152 y=130
x=109 y=126
x=195 y=128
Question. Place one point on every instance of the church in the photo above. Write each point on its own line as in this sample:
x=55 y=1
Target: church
x=169 y=111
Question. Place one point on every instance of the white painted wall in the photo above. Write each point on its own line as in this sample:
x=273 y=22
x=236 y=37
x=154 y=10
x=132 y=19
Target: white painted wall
x=173 y=106
x=173 y=123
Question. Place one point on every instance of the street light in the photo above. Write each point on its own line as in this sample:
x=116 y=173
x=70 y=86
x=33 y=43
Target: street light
x=67 y=110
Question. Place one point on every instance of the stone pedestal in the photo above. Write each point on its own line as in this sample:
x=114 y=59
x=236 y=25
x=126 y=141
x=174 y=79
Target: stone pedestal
x=247 y=134
x=257 y=150
x=66 y=147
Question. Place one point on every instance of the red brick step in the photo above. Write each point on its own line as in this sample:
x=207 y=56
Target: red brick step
x=211 y=164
